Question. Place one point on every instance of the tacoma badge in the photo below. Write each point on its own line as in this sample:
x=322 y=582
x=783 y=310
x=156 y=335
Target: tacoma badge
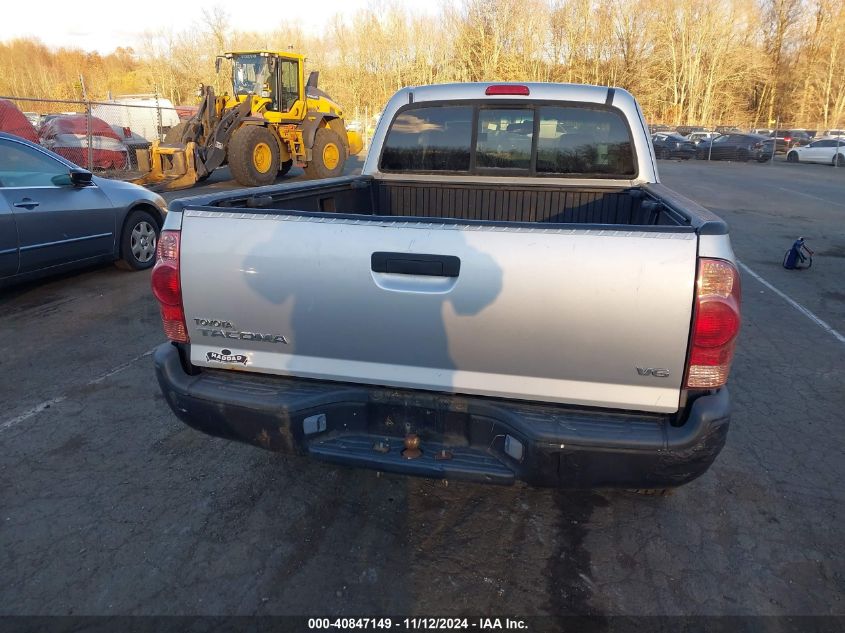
x=258 y=337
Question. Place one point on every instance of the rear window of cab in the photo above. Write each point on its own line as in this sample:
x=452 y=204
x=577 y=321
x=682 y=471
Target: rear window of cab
x=538 y=140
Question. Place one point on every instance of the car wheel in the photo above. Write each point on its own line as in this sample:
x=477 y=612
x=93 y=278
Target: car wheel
x=839 y=161
x=792 y=157
x=138 y=241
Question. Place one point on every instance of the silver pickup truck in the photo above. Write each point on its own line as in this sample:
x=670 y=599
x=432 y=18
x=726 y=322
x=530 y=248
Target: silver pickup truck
x=505 y=293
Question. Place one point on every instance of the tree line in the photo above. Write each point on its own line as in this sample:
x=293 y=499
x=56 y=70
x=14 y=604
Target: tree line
x=712 y=62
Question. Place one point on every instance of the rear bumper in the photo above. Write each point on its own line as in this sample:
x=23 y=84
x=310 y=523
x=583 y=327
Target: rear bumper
x=345 y=424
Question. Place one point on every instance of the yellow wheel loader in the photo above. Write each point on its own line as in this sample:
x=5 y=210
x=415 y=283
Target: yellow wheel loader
x=272 y=120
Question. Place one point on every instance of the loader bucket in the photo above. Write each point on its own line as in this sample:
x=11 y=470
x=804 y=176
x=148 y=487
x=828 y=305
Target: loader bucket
x=356 y=143
x=167 y=167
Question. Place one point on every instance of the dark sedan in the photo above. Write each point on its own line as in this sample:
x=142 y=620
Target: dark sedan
x=672 y=146
x=55 y=216
x=787 y=139
x=741 y=147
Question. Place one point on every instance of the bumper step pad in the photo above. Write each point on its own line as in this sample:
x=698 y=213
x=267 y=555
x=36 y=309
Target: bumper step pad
x=385 y=454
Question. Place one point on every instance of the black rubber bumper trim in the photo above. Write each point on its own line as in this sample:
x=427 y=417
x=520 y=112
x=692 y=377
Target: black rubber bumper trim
x=563 y=446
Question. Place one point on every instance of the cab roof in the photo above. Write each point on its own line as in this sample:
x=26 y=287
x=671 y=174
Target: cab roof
x=266 y=53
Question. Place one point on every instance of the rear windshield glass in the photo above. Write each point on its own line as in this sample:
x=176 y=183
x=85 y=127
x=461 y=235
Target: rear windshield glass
x=504 y=138
x=531 y=140
x=429 y=139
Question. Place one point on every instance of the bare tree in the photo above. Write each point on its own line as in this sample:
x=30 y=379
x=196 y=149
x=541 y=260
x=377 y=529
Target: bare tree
x=687 y=61
x=779 y=18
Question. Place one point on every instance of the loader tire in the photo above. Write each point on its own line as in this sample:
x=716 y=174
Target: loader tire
x=254 y=156
x=328 y=155
x=174 y=134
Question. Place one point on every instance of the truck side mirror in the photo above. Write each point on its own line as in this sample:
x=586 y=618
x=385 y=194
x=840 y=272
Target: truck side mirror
x=312 y=79
x=217 y=64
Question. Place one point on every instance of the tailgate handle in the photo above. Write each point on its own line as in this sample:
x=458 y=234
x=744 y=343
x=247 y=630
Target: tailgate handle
x=416 y=264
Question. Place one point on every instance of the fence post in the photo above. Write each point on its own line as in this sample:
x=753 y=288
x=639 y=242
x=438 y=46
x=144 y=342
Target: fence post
x=88 y=135
x=158 y=116
x=775 y=141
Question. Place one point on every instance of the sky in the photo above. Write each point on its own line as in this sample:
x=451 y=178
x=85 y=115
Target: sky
x=95 y=25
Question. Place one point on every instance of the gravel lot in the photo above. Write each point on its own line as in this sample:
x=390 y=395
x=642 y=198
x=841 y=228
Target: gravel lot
x=109 y=505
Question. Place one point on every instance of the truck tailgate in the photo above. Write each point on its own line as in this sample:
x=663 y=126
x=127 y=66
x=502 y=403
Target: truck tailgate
x=571 y=315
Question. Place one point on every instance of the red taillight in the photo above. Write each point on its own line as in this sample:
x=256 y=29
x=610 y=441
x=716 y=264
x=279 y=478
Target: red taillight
x=167 y=286
x=716 y=322
x=787 y=138
x=165 y=282
x=507 y=89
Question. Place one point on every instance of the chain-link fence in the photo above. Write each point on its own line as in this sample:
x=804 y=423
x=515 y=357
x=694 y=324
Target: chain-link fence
x=101 y=136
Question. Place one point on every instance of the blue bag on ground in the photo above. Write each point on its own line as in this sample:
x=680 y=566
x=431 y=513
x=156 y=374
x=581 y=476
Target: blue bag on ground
x=795 y=257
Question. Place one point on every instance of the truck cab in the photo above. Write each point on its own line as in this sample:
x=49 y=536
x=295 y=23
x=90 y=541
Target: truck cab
x=277 y=84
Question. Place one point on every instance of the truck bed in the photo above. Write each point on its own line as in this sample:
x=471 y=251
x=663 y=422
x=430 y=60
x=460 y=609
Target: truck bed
x=647 y=206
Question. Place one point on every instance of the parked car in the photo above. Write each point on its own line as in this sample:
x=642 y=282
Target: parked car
x=672 y=145
x=830 y=151
x=787 y=139
x=405 y=320
x=741 y=147
x=55 y=216
x=68 y=137
x=34 y=118
x=697 y=137
x=13 y=121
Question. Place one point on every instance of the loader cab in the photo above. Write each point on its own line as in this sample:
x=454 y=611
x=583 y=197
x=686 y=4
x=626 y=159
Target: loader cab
x=276 y=80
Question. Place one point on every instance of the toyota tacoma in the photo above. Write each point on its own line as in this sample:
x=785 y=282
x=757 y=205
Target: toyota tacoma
x=506 y=293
